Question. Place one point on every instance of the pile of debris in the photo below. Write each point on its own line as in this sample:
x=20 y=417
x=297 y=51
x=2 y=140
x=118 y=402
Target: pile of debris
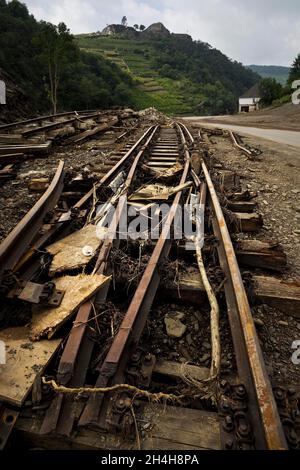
x=153 y=115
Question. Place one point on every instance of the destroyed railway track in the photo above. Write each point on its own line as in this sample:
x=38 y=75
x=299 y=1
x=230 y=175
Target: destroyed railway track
x=243 y=413
x=34 y=137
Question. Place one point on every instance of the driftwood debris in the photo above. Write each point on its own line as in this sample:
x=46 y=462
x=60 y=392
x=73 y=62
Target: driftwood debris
x=157 y=192
x=166 y=174
x=175 y=370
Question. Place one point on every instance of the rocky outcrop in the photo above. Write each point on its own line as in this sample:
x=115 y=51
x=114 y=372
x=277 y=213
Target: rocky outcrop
x=119 y=30
x=156 y=31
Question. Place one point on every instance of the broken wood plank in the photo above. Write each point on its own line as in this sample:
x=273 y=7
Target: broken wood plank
x=29 y=148
x=176 y=370
x=11 y=138
x=246 y=222
x=266 y=254
x=242 y=196
x=189 y=288
x=27 y=432
x=167 y=428
x=274 y=292
x=172 y=427
x=78 y=289
x=228 y=179
x=69 y=253
x=279 y=294
x=24 y=361
x=10 y=158
x=242 y=206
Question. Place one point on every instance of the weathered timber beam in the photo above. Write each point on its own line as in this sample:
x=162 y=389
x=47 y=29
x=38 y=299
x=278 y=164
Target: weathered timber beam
x=279 y=294
x=261 y=254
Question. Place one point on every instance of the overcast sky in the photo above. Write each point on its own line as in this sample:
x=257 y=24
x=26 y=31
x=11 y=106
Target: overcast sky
x=251 y=31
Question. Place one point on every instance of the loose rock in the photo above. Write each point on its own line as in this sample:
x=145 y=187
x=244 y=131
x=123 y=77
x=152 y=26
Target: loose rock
x=175 y=328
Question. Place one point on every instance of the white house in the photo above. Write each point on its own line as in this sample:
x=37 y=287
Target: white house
x=249 y=101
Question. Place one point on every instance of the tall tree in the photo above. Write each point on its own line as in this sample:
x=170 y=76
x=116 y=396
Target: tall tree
x=295 y=70
x=57 y=53
x=270 y=90
x=124 y=21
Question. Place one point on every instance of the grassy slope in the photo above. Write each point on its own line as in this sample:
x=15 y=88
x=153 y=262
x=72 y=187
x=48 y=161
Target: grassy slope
x=280 y=74
x=151 y=90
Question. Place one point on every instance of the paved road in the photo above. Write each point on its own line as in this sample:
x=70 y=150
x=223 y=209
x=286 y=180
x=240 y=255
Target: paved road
x=282 y=137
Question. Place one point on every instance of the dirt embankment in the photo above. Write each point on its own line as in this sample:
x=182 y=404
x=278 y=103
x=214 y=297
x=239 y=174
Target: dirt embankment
x=286 y=117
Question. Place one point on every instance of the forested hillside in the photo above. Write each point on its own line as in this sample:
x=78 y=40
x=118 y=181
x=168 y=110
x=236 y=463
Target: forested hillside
x=171 y=72
x=279 y=73
x=175 y=73
x=85 y=81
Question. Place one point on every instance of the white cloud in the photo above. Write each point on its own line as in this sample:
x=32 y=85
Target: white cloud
x=260 y=31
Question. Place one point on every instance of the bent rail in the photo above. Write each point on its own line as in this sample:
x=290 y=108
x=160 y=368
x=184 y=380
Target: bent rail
x=265 y=420
x=19 y=239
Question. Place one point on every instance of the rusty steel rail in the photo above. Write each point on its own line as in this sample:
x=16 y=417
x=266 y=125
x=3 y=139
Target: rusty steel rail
x=101 y=264
x=61 y=224
x=78 y=349
x=265 y=418
x=113 y=172
x=235 y=142
x=53 y=125
x=18 y=241
x=251 y=367
x=133 y=324
x=42 y=118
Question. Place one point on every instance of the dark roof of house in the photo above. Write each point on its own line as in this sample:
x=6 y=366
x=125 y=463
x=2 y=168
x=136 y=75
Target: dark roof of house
x=253 y=92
